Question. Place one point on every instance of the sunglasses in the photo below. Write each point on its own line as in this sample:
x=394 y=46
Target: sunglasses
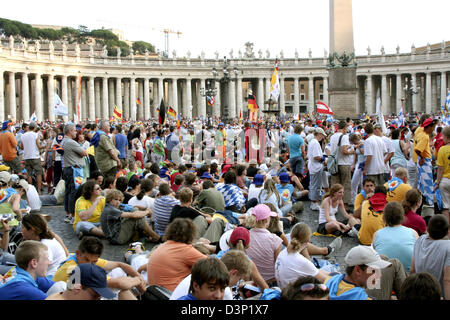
x=312 y=286
x=98 y=188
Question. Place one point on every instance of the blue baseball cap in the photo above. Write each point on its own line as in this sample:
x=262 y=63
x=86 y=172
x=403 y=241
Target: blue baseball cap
x=284 y=177
x=6 y=124
x=94 y=277
x=258 y=179
x=206 y=175
x=220 y=124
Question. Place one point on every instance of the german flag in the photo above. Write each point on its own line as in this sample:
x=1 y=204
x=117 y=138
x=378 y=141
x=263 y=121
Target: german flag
x=138 y=101
x=252 y=106
x=171 y=112
x=117 y=113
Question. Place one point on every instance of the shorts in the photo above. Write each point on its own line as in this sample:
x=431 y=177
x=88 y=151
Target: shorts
x=321 y=228
x=34 y=166
x=444 y=186
x=14 y=164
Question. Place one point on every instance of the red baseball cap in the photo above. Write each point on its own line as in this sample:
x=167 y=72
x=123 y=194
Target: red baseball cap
x=240 y=233
x=427 y=122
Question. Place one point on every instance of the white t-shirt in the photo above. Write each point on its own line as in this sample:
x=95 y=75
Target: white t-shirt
x=375 y=147
x=183 y=289
x=309 y=137
x=58 y=156
x=290 y=266
x=314 y=150
x=30 y=149
x=56 y=255
x=146 y=202
x=343 y=160
x=139 y=145
x=33 y=198
x=390 y=148
x=254 y=191
x=138 y=261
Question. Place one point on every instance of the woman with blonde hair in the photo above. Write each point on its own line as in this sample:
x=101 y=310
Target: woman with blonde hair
x=293 y=261
x=328 y=223
x=269 y=194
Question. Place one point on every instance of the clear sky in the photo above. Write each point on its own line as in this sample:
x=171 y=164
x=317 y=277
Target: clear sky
x=212 y=25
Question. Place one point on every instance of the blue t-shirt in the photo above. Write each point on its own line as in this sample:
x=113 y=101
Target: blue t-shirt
x=285 y=192
x=187 y=297
x=295 y=142
x=121 y=143
x=26 y=288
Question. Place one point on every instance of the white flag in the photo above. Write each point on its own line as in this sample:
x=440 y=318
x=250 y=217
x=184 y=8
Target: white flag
x=59 y=108
x=33 y=117
x=380 y=114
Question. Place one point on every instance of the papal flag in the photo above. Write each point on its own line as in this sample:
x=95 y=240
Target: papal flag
x=33 y=117
x=117 y=113
x=275 y=83
x=59 y=109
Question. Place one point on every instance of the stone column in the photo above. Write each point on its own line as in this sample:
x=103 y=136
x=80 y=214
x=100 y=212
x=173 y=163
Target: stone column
x=140 y=95
x=188 y=111
x=38 y=97
x=260 y=96
x=231 y=99
x=105 y=103
x=399 y=94
x=414 y=96
x=443 y=87
x=434 y=94
x=311 y=104
x=12 y=95
x=428 y=93
x=25 y=92
x=51 y=94
x=65 y=95
x=296 y=108
x=126 y=99
x=325 y=90
x=217 y=102
x=147 y=114
x=384 y=95
x=202 y=100
x=175 y=95
x=369 y=95
x=282 y=96
x=98 y=104
x=267 y=95
x=111 y=97
x=2 y=97
x=91 y=98
x=133 y=99
x=84 y=99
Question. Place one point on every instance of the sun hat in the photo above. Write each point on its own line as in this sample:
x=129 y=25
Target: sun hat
x=320 y=130
x=365 y=255
x=24 y=184
x=261 y=212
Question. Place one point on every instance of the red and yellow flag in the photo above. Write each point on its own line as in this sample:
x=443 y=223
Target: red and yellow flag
x=171 y=112
x=138 y=101
x=117 y=113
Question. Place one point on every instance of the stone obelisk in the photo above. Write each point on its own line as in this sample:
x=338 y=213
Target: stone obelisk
x=342 y=90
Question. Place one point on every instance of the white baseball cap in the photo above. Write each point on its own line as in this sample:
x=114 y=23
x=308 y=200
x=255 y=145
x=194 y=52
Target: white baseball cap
x=365 y=255
x=5 y=176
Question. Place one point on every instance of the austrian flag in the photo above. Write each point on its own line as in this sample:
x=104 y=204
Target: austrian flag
x=323 y=108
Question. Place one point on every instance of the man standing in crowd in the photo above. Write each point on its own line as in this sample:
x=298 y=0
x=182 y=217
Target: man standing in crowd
x=374 y=150
x=31 y=146
x=106 y=154
x=297 y=153
x=8 y=144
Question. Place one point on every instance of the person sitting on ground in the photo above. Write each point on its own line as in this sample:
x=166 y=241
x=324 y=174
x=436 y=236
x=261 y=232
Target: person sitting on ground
x=108 y=184
x=239 y=268
x=269 y=194
x=432 y=253
x=372 y=215
x=294 y=260
x=411 y=203
x=119 y=227
x=328 y=224
x=287 y=192
x=92 y=285
x=191 y=183
x=421 y=286
x=365 y=194
x=256 y=186
x=142 y=200
x=398 y=186
x=88 y=209
x=163 y=205
x=121 y=276
x=10 y=196
x=34 y=227
x=395 y=240
x=210 y=197
x=172 y=261
x=264 y=245
x=232 y=194
x=361 y=262
x=178 y=181
x=122 y=186
x=209 y=278
x=305 y=288
x=30 y=281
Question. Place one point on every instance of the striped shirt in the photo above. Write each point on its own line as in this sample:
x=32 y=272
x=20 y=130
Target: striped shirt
x=232 y=195
x=162 y=211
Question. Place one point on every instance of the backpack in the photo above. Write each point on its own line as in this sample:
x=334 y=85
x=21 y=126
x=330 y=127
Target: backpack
x=332 y=164
x=155 y=292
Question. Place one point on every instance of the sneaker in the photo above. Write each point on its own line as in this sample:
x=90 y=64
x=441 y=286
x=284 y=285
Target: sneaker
x=353 y=233
x=314 y=206
x=134 y=245
x=80 y=235
x=67 y=219
x=334 y=245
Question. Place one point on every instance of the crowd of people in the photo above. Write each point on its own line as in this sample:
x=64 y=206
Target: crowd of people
x=222 y=206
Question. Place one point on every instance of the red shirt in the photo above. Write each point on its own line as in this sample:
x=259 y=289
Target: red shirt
x=416 y=222
x=175 y=187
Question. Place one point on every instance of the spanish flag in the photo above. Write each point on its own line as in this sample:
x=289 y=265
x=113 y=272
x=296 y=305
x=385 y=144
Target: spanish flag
x=171 y=112
x=138 y=101
x=117 y=113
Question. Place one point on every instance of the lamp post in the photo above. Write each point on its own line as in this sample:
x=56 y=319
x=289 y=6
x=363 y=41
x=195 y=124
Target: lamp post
x=224 y=79
x=410 y=91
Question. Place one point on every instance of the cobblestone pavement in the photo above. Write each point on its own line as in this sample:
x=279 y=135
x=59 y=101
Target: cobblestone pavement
x=116 y=252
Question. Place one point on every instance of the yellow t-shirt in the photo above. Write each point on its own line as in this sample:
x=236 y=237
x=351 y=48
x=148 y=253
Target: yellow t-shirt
x=398 y=194
x=422 y=143
x=443 y=160
x=343 y=286
x=418 y=131
x=82 y=204
x=371 y=222
x=64 y=271
x=358 y=200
